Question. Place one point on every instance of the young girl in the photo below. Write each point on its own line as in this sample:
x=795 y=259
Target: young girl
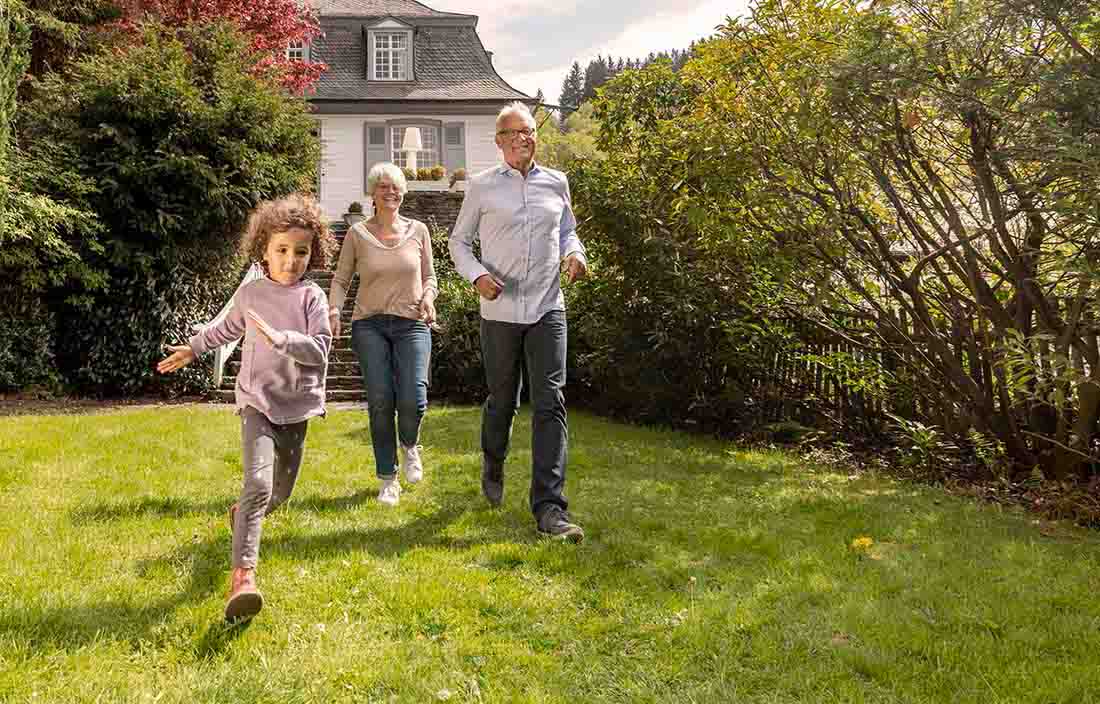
x=281 y=382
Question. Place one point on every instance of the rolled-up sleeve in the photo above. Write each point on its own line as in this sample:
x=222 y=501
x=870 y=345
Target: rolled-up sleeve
x=461 y=241
x=427 y=264
x=345 y=268
x=567 y=230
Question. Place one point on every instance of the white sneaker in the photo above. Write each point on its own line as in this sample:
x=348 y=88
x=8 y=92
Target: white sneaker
x=414 y=468
x=390 y=493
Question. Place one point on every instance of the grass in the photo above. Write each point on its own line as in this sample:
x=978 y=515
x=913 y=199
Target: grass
x=709 y=574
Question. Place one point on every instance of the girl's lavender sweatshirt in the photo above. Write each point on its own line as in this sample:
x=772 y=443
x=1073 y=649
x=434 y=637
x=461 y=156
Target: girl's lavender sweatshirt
x=285 y=381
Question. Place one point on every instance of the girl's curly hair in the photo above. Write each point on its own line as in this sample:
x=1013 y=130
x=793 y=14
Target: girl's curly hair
x=282 y=214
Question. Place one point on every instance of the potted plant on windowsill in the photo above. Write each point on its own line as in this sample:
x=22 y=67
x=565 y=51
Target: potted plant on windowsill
x=354 y=214
x=433 y=178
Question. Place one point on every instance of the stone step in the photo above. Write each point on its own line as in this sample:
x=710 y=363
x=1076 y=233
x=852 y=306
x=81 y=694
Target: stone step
x=331 y=395
x=331 y=382
x=341 y=352
x=345 y=366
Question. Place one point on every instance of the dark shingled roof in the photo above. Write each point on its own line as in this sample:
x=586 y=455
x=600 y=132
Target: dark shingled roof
x=377 y=8
x=450 y=62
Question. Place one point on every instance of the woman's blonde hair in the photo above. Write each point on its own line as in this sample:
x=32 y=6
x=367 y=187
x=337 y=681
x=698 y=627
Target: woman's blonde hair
x=282 y=214
x=386 y=169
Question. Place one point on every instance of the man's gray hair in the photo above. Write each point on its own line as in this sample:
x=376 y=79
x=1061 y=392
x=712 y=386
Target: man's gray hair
x=516 y=108
x=386 y=170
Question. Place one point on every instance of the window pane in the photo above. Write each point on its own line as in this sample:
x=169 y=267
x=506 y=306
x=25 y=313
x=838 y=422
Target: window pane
x=426 y=157
x=397 y=133
x=454 y=135
x=377 y=135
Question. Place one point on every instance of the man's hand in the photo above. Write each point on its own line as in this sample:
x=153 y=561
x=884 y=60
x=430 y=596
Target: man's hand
x=274 y=337
x=488 y=287
x=181 y=356
x=334 y=322
x=575 y=267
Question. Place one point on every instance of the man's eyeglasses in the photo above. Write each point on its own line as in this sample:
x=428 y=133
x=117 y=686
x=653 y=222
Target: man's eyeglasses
x=512 y=134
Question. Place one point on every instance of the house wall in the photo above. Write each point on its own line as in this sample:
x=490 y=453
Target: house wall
x=343 y=171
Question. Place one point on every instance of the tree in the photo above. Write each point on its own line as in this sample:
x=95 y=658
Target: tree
x=594 y=76
x=14 y=40
x=575 y=138
x=170 y=141
x=270 y=25
x=572 y=88
x=950 y=223
x=62 y=30
x=40 y=238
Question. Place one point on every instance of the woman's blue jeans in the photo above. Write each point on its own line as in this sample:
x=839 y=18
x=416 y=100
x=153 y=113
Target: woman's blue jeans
x=394 y=354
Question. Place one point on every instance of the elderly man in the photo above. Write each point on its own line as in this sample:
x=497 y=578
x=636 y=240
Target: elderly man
x=522 y=214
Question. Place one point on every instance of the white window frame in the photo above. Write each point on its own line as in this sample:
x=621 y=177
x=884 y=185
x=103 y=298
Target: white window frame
x=297 y=51
x=424 y=157
x=404 y=54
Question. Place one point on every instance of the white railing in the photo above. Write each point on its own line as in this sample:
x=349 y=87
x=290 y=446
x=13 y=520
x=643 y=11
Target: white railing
x=223 y=353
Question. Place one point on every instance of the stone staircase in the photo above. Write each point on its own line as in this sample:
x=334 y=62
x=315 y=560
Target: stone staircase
x=344 y=381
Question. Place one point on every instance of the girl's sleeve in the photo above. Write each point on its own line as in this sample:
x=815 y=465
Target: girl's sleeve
x=230 y=328
x=310 y=348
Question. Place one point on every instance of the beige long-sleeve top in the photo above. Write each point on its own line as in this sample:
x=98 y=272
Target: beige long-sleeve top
x=392 y=278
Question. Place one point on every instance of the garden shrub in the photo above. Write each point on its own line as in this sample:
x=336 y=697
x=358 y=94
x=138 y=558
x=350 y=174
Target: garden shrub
x=172 y=142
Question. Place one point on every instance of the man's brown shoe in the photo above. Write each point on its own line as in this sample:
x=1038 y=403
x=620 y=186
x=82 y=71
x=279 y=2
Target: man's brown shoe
x=556 y=523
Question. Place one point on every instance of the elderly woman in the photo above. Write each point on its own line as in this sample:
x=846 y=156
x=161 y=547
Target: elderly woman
x=390 y=325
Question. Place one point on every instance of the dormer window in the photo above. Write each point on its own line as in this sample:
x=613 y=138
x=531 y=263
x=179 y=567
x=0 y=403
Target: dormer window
x=391 y=56
x=296 y=51
x=389 y=51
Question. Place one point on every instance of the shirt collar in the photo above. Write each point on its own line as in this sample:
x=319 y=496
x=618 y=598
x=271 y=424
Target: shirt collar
x=506 y=168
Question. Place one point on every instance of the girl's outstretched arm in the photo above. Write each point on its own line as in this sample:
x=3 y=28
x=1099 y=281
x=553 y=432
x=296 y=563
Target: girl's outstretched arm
x=308 y=349
x=181 y=356
x=231 y=327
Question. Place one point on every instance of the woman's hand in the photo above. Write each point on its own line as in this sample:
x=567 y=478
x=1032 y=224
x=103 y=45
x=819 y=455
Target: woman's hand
x=334 y=321
x=427 y=310
x=181 y=356
x=274 y=337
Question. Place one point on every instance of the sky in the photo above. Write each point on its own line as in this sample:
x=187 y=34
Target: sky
x=535 y=42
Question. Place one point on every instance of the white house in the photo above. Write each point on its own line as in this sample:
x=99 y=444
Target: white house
x=394 y=64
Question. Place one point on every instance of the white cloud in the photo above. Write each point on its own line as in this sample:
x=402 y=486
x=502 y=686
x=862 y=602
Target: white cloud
x=535 y=43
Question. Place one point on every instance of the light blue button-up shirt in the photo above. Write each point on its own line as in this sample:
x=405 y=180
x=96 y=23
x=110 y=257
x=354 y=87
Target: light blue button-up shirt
x=526 y=227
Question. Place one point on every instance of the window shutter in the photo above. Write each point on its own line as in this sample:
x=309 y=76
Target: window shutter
x=454 y=146
x=375 y=147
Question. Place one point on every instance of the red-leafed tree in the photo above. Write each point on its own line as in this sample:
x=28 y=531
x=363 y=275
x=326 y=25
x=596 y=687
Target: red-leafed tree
x=272 y=25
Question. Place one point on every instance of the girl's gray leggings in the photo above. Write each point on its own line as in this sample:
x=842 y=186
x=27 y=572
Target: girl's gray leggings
x=271 y=455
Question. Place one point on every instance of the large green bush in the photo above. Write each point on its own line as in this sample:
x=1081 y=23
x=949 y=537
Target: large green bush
x=171 y=142
x=14 y=58
x=457 y=374
x=40 y=238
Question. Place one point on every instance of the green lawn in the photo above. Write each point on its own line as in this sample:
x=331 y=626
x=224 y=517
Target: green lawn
x=709 y=574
